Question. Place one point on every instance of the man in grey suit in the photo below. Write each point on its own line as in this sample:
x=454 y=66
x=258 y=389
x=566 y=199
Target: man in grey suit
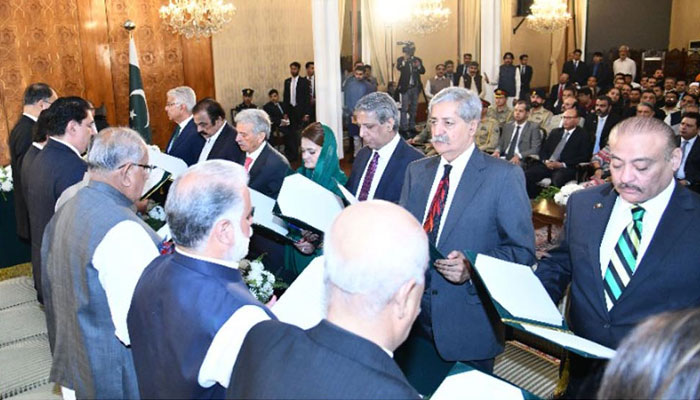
x=520 y=138
x=491 y=215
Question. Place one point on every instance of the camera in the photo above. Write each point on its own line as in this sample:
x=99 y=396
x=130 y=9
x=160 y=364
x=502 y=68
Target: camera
x=408 y=47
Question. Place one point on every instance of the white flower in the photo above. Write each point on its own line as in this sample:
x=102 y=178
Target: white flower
x=257 y=266
x=6 y=186
x=157 y=213
x=562 y=197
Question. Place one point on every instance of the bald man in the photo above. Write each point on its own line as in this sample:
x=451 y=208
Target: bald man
x=373 y=297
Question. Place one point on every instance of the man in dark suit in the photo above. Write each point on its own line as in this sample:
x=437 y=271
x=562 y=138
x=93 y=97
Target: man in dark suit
x=602 y=71
x=219 y=136
x=279 y=117
x=462 y=69
x=461 y=188
x=556 y=94
x=520 y=138
x=297 y=103
x=37 y=97
x=185 y=142
x=688 y=174
x=577 y=69
x=39 y=138
x=525 y=71
x=379 y=167
x=56 y=167
x=599 y=124
x=373 y=297
x=562 y=151
x=630 y=248
x=267 y=169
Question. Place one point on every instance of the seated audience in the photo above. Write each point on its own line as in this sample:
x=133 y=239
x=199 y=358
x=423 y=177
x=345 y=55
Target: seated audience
x=521 y=138
x=373 y=297
x=487 y=135
x=688 y=173
x=436 y=83
x=472 y=80
x=191 y=309
x=556 y=94
x=660 y=359
x=557 y=120
x=279 y=117
x=599 y=124
x=499 y=110
x=95 y=250
x=538 y=114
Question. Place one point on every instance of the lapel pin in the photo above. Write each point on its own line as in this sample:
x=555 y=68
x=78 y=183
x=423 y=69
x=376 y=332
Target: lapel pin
x=598 y=205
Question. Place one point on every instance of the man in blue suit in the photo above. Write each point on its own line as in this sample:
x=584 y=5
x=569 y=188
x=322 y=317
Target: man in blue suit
x=467 y=201
x=373 y=282
x=630 y=249
x=379 y=167
x=58 y=166
x=185 y=142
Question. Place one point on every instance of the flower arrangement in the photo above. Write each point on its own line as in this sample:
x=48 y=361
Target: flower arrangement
x=260 y=282
x=562 y=196
x=155 y=215
x=6 y=184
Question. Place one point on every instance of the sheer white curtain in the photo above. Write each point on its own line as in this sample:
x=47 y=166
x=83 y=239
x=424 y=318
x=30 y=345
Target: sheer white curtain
x=326 y=36
x=469 y=36
x=490 y=41
x=373 y=32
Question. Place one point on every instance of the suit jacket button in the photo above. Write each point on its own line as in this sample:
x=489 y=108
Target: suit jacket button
x=434 y=292
x=606 y=326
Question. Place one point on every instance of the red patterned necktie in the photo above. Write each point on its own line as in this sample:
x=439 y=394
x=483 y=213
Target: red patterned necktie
x=437 y=206
x=367 y=183
x=248 y=161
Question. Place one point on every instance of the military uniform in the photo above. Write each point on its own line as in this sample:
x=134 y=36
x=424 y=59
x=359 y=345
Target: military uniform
x=487 y=135
x=243 y=106
x=502 y=116
x=541 y=117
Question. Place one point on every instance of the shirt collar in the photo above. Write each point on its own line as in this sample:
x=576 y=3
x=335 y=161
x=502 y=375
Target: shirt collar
x=38 y=145
x=70 y=146
x=228 y=264
x=30 y=116
x=388 y=149
x=254 y=155
x=459 y=163
x=216 y=135
x=690 y=141
x=184 y=123
x=657 y=203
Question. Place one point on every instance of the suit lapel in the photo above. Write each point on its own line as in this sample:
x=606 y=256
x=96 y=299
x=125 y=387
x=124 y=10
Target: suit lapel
x=672 y=225
x=422 y=186
x=597 y=222
x=360 y=163
x=390 y=171
x=469 y=185
x=259 y=164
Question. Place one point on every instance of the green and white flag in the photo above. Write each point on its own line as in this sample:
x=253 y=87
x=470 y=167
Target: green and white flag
x=138 y=109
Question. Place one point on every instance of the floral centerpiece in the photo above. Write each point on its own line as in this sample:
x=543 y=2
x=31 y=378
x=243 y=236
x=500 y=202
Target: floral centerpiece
x=6 y=184
x=562 y=196
x=260 y=282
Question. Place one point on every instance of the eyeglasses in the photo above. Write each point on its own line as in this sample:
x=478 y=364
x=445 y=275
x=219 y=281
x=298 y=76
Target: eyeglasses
x=171 y=104
x=146 y=167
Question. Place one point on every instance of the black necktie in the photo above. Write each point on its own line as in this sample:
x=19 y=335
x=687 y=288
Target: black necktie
x=513 y=144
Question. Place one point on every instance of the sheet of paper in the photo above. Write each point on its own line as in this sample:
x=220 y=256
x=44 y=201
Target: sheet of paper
x=348 y=196
x=516 y=288
x=571 y=341
x=305 y=200
x=303 y=304
x=263 y=213
x=475 y=384
x=164 y=164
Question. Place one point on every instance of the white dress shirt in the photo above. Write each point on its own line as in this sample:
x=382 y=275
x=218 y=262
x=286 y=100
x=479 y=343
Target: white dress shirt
x=626 y=66
x=120 y=270
x=458 y=166
x=621 y=216
x=680 y=174
x=184 y=123
x=255 y=154
x=293 y=91
x=209 y=144
x=223 y=351
x=30 y=116
x=517 y=144
x=385 y=154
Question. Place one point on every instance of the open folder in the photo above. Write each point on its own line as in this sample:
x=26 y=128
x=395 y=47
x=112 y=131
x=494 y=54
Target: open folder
x=307 y=205
x=264 y=216
x=167 y=169
x=467 y=382
x=523 y=303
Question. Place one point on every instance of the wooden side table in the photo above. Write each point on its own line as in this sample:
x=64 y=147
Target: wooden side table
x=547 y=213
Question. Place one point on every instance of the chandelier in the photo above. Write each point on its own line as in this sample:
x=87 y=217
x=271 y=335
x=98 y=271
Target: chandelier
x=548 y=15
x=427 y=16
x=197 y=17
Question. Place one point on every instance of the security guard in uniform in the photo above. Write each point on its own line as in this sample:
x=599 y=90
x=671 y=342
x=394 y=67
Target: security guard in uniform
x=246 y=104
x=499 y=110
x=539 y=114
x=489 y=131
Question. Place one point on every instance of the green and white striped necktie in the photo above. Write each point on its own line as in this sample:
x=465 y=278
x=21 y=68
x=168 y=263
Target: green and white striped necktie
x=623 y=262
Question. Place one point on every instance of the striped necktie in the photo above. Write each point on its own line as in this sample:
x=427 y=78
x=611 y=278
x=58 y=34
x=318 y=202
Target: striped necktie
x=623 y=262
x=437 y=207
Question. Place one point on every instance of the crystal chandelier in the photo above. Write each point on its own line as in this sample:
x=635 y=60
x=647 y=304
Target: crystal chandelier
x=197 y=17
x=548 y=15
x=427 y=16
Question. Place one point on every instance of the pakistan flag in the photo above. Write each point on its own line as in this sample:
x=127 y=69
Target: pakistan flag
x=138 y=109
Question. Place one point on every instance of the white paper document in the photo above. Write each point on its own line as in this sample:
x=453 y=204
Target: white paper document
x=164 y=164
x=305 y=200
x=475 y=384
x=303 y=304
x=570 y=340
x=348 y=196
x=516 y=288
x=263 y=213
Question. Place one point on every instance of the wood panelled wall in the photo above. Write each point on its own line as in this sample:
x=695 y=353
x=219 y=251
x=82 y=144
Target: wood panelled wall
x=80 y=48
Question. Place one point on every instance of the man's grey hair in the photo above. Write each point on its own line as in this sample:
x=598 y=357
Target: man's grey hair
x=468 y=103
x=206 y=193
x=382 y=105
x=258 y=118
x=376 y=272
x=114 y=147
x=646 y=126
x=184 y=95
x=624 y=47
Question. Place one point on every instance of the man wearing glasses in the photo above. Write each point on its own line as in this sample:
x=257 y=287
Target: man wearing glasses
x=58 y=166
x=561 y=152
x=95 y=250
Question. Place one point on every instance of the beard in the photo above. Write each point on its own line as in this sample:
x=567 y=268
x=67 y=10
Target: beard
x=240 y=247
x=535 y=104
x=670 y=104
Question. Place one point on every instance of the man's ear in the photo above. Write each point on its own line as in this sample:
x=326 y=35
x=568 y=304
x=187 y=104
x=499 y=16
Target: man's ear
x=223 y=232
x=71 y=127
x=403 y=300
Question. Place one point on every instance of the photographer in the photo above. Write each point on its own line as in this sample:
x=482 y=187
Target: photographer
x=410 y=86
